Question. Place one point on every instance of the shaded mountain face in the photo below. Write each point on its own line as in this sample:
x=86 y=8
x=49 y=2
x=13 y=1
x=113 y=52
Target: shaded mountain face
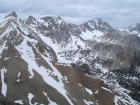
x=42 y=59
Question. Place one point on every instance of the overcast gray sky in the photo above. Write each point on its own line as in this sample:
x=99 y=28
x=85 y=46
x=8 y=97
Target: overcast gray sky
x=118 y=13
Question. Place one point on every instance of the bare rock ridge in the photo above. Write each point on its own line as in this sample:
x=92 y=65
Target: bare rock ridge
x=13 y=14
x=47 y=61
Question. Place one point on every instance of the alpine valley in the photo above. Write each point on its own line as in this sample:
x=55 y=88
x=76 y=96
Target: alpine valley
x=48 y=61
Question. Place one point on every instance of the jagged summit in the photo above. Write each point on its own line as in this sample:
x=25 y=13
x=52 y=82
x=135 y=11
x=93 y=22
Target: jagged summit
x=12 y=14
x=96 y=19
x=98 y=24
x=134 y=28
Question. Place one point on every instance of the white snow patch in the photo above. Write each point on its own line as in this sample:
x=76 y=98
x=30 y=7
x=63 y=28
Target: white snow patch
x=96 y=92
x=117 y=100
x=6 y=58
x=63 y=60
x=18 y=80
x=98 y=33
x=51 y=102
x=79 y=84
x=74 y=99
x=138 y=35
x=19 y=74
x=121 y=63
x=89 y=91
x=106 y=89
x=4 y=86
x=87 y=35
x=107 y=55
x=99 y=66
x=30 y=77
x=88 y=102
x=50 y=42
x=94 y=35
x=27 y=54
x=65 y=78
x=96 y=55
x=135 y=33
x=30 y=97
x=19 y=101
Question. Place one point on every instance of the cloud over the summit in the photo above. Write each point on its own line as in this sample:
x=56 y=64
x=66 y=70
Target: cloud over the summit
x=116 y=12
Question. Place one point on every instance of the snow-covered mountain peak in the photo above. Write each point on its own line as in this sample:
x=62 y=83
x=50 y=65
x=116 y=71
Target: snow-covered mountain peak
x=97 y=24
x=97 y=20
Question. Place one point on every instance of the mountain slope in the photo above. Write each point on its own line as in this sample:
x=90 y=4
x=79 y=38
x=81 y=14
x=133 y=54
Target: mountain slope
x=36 y=58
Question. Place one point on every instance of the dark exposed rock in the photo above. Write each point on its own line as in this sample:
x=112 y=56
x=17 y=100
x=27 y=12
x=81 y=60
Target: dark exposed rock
x=13 y=14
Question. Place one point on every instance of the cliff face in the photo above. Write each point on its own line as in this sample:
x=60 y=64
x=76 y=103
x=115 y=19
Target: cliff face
x=41 y=61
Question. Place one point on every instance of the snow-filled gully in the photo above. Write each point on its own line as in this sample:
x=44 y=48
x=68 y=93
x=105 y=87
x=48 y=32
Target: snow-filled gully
x=4 y=85
x=29 y=57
